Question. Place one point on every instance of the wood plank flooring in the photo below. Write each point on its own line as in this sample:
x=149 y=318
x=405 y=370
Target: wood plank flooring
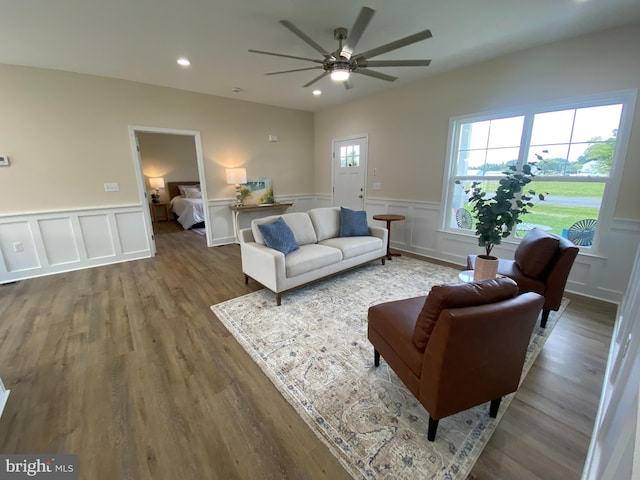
x=126 y=366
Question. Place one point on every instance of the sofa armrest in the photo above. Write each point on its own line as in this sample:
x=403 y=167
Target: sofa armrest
x=246 y=235
x=382 y=233
x=265 y=265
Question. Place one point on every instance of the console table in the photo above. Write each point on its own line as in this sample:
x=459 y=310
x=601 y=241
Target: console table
x=272 y=208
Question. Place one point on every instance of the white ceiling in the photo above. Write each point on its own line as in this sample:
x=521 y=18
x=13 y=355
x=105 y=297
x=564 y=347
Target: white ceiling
x=140 y=40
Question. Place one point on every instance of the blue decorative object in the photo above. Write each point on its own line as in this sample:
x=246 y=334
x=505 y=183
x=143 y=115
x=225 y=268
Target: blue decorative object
x=353 y=223
x=278 y=235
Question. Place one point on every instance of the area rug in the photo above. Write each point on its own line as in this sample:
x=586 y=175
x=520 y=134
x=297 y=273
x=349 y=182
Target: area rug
x=314 y=349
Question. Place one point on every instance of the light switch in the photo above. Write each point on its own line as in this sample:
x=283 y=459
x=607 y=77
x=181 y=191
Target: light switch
x=377 y=185
x=111 y=187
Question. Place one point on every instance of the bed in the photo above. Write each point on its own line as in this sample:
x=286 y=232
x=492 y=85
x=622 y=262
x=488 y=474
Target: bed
x=186 y=203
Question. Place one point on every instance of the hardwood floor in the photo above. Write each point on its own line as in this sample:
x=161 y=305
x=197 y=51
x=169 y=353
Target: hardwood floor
x=126 y=366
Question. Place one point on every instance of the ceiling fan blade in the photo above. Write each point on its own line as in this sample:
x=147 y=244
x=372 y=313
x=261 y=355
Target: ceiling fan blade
x=395 y=63
x=315 y=79
x=361 y=23
x=296 y=70
x=285 y=56
x=347 y=84
x=304 y=37
x=378 y=75
x=403 y=42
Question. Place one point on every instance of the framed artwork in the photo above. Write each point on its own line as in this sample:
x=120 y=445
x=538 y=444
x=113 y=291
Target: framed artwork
x=260 y=191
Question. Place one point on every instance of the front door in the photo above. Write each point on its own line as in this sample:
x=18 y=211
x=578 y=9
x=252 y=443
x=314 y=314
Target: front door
x=349 y=172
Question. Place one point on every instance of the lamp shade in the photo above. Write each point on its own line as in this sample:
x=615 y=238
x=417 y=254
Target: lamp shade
x=157 y=182
x=236 y=176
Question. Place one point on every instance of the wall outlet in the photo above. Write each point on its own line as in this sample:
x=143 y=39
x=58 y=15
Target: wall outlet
x=17 y=247
x=111 y=187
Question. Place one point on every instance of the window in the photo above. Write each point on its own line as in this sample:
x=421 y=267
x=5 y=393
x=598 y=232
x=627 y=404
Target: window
x=575 y=147
x=350 y=156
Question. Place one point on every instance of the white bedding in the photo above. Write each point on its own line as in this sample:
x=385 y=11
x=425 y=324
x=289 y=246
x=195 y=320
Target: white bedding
x=189 y=211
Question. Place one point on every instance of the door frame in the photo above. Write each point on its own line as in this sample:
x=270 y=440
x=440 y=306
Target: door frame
x=333 y=165
x=142 y=188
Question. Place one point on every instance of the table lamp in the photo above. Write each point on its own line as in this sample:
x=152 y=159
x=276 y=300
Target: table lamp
x=156 y=183
x=237 y=176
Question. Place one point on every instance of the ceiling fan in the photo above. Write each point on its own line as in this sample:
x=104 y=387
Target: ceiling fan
x=342 y=62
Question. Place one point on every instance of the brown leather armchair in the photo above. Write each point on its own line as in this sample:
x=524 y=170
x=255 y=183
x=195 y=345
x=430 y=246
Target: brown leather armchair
x=541 y=264
x=458 y=347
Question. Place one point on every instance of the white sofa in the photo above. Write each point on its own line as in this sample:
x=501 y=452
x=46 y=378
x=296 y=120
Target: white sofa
x=322 y=251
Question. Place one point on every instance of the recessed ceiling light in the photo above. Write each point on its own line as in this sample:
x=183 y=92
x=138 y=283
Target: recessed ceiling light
x=184 y=62
x=317 y=92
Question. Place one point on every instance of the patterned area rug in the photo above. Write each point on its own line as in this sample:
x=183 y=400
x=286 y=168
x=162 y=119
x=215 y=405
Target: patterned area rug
x=314 y=349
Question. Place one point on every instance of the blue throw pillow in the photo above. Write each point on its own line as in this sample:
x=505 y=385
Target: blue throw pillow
x=278 y=235
x=353 y=223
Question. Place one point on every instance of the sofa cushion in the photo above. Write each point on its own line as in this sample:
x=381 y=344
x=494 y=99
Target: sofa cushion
x=354 y=246
x=310 y=257
x=278 y=235
x=299 y=223
x=535 y=252
x=257 y=235
x=353 y=223
x=459 y=295
x=326 y=222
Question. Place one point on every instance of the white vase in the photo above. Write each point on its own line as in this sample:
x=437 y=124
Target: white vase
x=486 y=267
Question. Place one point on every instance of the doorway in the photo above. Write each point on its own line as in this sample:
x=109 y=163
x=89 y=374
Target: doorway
x=163 y=158
x=349 y=172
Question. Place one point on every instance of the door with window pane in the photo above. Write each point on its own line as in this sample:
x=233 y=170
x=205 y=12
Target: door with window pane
x=349 y=169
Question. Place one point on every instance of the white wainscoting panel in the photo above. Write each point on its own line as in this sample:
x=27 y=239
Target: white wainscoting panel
x=603 y=274
x=58 y=240
x=18 y=234
x=98 y=239
x=55 y=242
x=135 y=239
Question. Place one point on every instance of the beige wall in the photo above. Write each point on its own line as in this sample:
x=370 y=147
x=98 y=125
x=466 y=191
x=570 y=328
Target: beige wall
x=67 y=134
x=172 y=157
x=408 y=126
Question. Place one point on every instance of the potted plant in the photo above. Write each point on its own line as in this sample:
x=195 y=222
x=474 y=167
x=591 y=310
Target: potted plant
x=497 y=215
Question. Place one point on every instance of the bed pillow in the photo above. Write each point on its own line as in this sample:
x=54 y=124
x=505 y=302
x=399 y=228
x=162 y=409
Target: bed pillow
x=353 y=223
x=278 y=235
x=182 y=188
x=192 y=193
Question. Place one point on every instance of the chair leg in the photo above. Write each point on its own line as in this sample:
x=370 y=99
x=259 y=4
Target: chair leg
x=384 y=260
x=278 y=299
x=433 y=426
x=493 y=409
x=376 y=357
x=246 y=279
x=545 y=317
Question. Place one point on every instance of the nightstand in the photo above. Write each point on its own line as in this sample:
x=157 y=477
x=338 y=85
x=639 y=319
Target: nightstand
x=159 y=212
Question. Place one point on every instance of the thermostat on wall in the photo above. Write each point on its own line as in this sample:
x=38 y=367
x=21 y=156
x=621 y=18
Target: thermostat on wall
x=4 y=161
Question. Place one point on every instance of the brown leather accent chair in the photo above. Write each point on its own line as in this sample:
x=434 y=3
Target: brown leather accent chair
x=458 y=347
x=541 y=264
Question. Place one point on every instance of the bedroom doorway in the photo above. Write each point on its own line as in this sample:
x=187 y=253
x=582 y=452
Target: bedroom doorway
x=165 y=159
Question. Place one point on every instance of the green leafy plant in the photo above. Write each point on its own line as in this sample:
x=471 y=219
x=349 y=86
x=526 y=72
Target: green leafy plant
x=497 y=215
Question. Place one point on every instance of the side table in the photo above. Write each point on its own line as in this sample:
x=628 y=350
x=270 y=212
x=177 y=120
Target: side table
x=389 y=218
x=159 y=212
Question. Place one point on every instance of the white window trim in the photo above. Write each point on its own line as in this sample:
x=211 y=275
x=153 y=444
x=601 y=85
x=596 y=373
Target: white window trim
x=607 y=209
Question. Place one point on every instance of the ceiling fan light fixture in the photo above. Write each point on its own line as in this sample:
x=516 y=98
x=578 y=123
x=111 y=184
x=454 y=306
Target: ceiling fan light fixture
x=340 y=73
